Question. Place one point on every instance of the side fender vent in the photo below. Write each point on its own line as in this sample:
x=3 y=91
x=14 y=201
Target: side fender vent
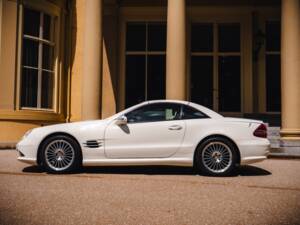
x=93 y=143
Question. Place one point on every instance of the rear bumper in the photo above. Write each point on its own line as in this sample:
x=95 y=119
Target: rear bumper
x=254 y=159
x=254 y=150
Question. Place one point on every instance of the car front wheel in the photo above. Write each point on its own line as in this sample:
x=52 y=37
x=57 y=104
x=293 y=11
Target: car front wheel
x=216 y=156
x=60 y=154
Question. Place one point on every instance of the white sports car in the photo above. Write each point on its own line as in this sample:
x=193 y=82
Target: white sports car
x=160 y=132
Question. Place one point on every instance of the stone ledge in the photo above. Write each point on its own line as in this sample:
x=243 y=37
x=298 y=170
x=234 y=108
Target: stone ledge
x=289 y=143
x=8 y=145
x=286 y=150
x=282 y=156
x=282 y=148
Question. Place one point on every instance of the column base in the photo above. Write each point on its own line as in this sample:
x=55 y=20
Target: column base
x=290 y=134
x=290 y=148
x=286 y=149
x=289 y=143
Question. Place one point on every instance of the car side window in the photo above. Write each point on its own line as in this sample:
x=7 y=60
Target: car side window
x=155 y=112
x=192 y=113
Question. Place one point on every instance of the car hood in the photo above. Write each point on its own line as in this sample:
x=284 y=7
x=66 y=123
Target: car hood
x=82 y=125
x=82 y=131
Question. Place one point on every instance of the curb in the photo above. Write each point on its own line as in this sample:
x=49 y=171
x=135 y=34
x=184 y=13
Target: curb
x=283 y=156
x=285 y=152
x=8 y=145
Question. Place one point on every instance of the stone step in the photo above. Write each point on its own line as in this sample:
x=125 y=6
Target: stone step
x=280 y=148
x=274 y=136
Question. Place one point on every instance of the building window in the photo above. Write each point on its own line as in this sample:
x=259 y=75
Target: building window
x=272 y=57
x=145 y=61
x=216 y=66
x=37 y=63
x=202 y=64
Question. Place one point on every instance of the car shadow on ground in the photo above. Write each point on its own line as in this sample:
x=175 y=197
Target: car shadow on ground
x=155 y=170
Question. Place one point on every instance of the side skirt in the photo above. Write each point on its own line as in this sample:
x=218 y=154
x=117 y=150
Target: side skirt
x=138 y=162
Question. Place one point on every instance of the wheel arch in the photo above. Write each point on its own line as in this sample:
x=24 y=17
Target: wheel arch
x=55 y=134
x=218 y=136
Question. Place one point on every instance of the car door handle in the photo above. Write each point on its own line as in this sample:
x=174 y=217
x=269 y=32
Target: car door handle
x=175 y=127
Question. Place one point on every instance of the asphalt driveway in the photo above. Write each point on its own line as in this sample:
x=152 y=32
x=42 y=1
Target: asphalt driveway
x=264 y=193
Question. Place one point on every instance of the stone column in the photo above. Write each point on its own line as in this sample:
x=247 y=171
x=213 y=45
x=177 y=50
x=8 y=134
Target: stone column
x=176 y=51
x=290 y=70
x=92 y=50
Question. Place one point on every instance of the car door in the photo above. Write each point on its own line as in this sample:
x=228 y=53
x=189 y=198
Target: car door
x=152 y=131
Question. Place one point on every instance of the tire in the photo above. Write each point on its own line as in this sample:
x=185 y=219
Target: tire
x=60 y=154
x=216 y=156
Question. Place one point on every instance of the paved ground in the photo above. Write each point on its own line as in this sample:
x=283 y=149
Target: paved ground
x=265 y=193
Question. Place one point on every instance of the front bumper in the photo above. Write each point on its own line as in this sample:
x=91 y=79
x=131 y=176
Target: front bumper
x=30 y=161
x=27 y=153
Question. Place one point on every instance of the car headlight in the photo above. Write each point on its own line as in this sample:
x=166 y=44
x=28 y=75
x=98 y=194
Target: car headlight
x=26 y=134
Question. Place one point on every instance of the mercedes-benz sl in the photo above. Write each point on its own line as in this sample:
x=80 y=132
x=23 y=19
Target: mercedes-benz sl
x=159 y=132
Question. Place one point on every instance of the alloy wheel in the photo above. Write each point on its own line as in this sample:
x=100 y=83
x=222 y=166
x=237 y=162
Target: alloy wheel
x=59 y=155
x=217 y=157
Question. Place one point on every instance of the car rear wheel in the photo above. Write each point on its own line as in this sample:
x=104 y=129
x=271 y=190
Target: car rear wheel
x=60 y=154
x=216 y=156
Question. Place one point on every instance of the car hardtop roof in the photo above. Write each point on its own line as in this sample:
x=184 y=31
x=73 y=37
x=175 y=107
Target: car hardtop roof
x=207 y=111
x=169 y=101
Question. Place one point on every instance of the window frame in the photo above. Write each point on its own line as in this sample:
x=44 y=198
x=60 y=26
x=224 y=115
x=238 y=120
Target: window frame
x=55 y=12
x=127 y=15
x=216 y=53
x=146 y=53
x=261 y=79
x=269 y=53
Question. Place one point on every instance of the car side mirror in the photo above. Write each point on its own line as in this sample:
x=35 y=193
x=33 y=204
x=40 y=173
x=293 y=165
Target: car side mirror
x=121 y=120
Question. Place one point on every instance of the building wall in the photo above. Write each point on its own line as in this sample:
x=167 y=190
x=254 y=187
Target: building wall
x=15 y=121
x=70 y=96
x=242 y=14
x=77 y=39
x=110 y=60
x=8 y=55
x=10 y=131
x=109 y=88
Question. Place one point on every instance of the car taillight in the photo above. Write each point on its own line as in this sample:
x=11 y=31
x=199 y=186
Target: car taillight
x=261 y=131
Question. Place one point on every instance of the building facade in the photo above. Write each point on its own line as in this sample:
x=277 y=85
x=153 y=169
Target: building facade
x=71 y=60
